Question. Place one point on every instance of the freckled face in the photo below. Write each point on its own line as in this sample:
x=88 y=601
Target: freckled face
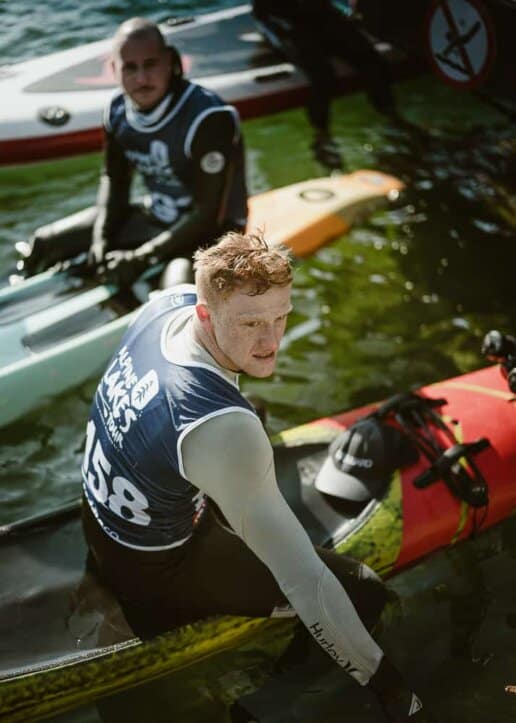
x=247 y=330
x=143 y=68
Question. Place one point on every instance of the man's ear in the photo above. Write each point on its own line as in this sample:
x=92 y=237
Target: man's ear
x=176 y=62
x=112 y=67
x=203 y=313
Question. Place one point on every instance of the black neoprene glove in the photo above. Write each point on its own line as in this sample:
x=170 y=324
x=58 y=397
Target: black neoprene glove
x=96 y=253
x=33 y=254
x=399 y=703
x=123 y=267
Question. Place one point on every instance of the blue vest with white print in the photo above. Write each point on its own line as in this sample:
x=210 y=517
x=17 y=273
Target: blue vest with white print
x=144 y=404
x=160 y=152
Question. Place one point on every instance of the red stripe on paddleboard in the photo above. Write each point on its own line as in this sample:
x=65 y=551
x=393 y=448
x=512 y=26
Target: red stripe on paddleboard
x=265 y=100
x=60 y=145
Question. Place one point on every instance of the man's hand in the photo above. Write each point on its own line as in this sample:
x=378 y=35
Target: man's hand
x=123 y=267
x=96 y=254
x=31 y=256
x=399 y=702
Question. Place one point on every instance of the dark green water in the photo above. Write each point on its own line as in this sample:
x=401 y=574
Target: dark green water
x=404 y=299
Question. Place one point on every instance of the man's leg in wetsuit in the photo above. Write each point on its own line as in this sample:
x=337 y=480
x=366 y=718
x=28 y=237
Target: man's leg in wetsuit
x=161 y=591
x=304 y=661
x=302 y=44
x=344 y=38
x=195 y=581
x=247 y=587
x=311 y=56
x=60 y=240
x=336 y=36
x=71 y=235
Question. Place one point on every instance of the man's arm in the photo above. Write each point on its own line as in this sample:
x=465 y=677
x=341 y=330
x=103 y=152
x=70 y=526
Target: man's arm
x=241 y=480
x=112 y=197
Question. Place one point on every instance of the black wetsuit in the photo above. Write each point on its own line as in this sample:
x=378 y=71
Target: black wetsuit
x=189 y=152
x=312 y=32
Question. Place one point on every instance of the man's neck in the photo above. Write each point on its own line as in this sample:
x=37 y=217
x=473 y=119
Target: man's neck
x=150 y=116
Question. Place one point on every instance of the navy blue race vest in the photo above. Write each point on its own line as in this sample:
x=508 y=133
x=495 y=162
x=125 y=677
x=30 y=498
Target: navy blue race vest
x=160 y=152
x=143 y=406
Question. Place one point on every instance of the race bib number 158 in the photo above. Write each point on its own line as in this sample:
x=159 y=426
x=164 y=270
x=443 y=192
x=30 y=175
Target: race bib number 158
x=117 y=493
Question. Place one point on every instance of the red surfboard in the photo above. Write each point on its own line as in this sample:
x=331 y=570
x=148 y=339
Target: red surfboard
x=478 y=405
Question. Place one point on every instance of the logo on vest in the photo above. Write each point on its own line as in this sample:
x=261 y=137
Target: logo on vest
x=124 y=395
x=164 y=207
x=154 y=164
x=213 y=162
x=144 y=390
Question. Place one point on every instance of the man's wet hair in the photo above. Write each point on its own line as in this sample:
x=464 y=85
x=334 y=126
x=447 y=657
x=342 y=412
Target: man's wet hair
x=239 y=260
x=137 y=28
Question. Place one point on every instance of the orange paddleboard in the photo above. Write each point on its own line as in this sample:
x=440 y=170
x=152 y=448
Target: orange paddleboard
x=307 y=215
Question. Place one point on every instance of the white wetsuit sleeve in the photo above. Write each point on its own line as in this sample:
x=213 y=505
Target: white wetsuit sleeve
x=239 y=476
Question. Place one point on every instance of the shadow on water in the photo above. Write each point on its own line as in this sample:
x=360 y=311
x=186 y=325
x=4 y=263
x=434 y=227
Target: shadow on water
x=463 y=192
